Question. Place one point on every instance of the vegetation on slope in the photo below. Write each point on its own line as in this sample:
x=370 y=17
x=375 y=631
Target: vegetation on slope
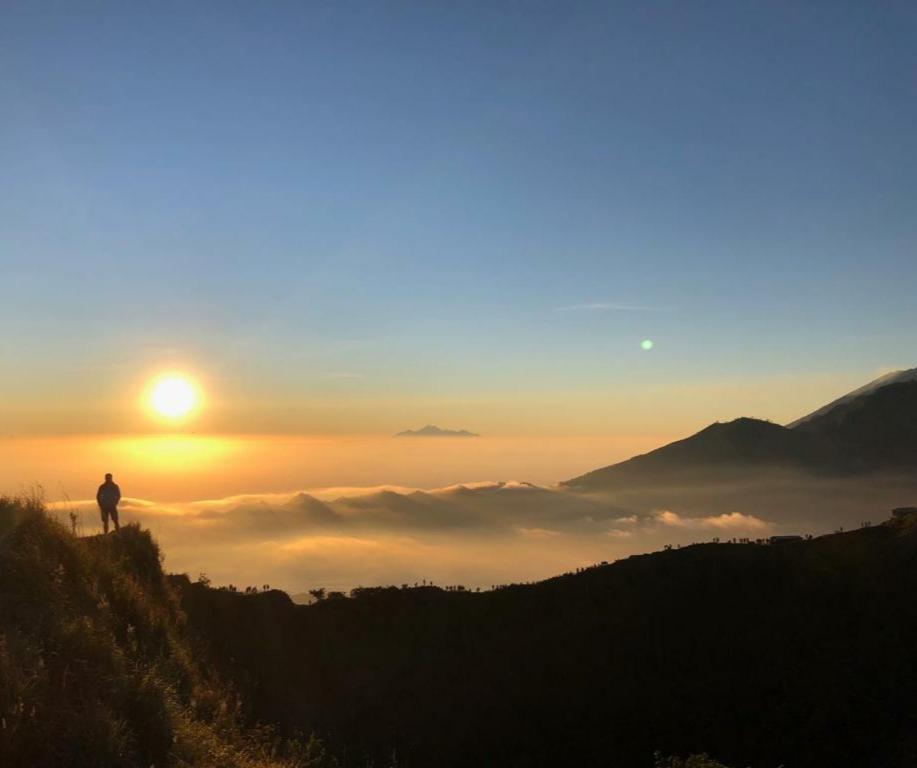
x=95 y=666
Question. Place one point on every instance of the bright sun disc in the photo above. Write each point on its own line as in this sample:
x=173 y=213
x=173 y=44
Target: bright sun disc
x=173 y=397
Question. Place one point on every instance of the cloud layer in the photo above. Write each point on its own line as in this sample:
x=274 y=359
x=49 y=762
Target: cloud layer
x=478 y=534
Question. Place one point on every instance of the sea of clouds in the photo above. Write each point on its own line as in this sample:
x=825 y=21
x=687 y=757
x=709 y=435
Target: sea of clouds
x=475 y=534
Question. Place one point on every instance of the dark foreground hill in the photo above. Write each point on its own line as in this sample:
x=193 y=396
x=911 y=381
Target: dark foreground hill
x=798 y=654
x=875 y=431
x=97 y=667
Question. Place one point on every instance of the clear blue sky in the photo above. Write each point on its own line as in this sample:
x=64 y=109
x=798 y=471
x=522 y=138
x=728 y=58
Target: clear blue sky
x=446 y=200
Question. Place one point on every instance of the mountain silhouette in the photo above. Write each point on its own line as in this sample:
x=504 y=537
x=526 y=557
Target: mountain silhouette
x=721 y=448
x=895 y=377
x=308 y=509
x=431 y=430
x=872 y=429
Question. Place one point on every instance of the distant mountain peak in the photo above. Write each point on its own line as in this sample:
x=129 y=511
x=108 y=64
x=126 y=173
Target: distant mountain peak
x=431 y=430
x=872 y=428
x=743 y=442
x=895 y=377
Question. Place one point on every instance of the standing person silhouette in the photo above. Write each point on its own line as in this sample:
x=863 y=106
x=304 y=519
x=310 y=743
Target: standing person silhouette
x=107 y=497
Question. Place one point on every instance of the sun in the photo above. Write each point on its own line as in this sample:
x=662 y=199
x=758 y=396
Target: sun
x=173 y=397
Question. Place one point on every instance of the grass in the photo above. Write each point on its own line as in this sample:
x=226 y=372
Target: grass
x=95 y=665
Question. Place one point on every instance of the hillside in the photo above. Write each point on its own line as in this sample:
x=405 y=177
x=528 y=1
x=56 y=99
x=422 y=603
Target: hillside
x=796 y=654
x=894 y=377
x=872 y=429
x=96 y=666
x=716 y=452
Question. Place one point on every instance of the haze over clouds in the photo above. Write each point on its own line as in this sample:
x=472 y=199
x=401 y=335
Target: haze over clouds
x=188 y=467
x=728 y=521
x=478 y=534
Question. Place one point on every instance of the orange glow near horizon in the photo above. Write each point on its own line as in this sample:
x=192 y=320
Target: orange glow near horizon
x=186 y=467
x=173 y=453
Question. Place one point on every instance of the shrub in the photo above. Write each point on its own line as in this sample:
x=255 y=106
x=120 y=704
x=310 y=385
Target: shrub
x=95 y=665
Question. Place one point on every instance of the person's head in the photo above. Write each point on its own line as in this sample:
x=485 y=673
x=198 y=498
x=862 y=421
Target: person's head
x=108 y=477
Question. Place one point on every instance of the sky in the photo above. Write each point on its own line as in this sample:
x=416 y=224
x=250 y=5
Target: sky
x=363 y=217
